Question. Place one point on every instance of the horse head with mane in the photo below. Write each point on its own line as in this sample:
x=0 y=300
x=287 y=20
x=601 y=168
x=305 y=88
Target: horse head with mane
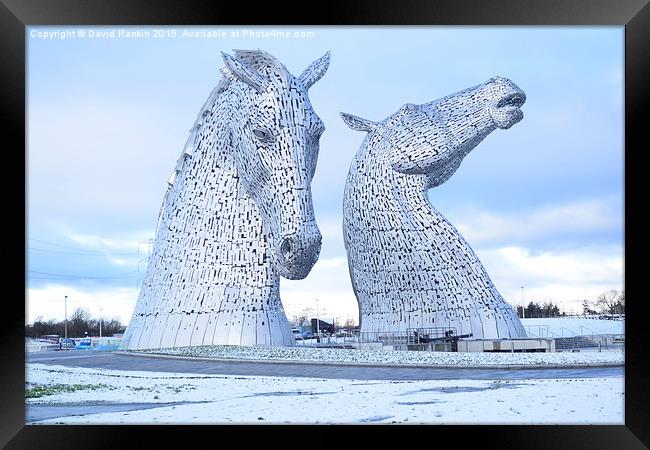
x=237 y=214
x=427 y=276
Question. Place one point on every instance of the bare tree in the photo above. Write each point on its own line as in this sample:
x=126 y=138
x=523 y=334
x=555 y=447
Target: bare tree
x=79 y=322
x=619 y=308
x=608 y=301
x=302 y=317
x=586 y=308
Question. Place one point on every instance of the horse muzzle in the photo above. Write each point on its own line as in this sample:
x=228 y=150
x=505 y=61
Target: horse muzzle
x=296 y=254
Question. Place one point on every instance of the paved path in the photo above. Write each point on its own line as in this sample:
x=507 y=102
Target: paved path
x=36 y=412
x=114 y=361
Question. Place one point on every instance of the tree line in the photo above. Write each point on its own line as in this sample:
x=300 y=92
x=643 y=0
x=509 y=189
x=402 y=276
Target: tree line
x=536 y=311
x=609 y=302
x=79 y=323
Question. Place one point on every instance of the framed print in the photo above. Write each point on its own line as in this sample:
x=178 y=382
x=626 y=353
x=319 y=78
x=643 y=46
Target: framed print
x=254 y=218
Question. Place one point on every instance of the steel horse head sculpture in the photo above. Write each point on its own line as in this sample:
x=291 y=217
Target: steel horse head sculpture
x=237 y=214
x=410 y=267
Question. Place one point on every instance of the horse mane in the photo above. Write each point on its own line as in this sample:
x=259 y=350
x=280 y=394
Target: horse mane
x=262 y=62
x=190 y=144
x=258 y=60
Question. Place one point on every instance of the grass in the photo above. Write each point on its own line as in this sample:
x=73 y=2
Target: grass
x=41 y=391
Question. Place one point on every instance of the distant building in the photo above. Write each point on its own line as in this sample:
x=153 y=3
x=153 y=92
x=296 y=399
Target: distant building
x=322 y=326
x=50 y=337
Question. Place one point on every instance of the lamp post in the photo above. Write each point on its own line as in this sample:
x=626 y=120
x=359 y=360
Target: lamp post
x=523 y=304
x=100 y=322
x=66 y=316
x=317 y=319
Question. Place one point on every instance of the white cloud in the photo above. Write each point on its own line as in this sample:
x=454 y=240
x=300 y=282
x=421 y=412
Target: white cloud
x=48 y=301
x=330 y=227
x=565 y=278
x=332 y=263
x=123 y=261
x=480 y=226
x=130 y=249
x=329 y=282
x=132 y=242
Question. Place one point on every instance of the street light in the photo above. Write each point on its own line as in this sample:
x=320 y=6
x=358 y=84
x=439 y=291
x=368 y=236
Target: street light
x=317 y=319
x=523 y=304
x=100 y=322
x=66 y=317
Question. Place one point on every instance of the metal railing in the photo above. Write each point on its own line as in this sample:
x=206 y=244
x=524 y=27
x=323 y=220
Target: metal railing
x=565 y=339
x=538 y=331
x=587 y=338
x=386 y=338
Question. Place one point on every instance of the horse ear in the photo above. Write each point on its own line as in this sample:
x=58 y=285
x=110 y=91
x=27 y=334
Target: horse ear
x=315 y=71
x=245 y=74
x=357 y=123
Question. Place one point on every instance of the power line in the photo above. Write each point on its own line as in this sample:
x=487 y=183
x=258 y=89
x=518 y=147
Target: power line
x=64 y=276
x=60 y=245
x=80 y=254
x=74 y=248
x=29 y=277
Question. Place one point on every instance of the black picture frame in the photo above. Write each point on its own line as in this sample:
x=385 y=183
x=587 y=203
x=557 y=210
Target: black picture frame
x=634 y=15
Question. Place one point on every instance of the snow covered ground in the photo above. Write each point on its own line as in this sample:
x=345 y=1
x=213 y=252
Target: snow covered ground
x=208 y=399
x=577 y=325
x=439 y=359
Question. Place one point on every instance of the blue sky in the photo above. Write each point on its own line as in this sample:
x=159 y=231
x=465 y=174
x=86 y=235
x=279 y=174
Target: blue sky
x=541 y=203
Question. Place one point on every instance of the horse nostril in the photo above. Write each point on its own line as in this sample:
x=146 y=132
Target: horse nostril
x=285 y=248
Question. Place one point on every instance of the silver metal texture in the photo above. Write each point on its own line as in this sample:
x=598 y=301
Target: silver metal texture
x=410 y=267
x=237 y=214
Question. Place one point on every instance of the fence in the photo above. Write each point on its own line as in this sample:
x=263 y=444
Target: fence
x=567 y=339
x=97 y=343
x=39 y=346
x=410 y=337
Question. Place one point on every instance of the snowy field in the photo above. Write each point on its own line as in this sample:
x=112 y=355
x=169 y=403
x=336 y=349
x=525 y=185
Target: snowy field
x=576 y=325
x=387 y=357
x=212 y=399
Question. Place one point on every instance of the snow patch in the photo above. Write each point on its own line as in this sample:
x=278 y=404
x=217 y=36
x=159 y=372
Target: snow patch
x=394 y=357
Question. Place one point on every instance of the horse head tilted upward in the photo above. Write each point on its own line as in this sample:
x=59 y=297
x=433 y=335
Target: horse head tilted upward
x=237 y=214
x=433 y=138
x=410 y=268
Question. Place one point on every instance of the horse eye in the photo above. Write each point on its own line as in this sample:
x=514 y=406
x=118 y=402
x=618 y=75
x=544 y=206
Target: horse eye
x=261 y=134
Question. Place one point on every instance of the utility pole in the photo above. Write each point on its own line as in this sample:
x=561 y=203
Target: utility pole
x=100 y=322
x=149 y=243
x=317 y=319
x=523 y=304
x=66 y=316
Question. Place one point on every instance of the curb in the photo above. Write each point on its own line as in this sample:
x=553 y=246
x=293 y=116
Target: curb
x=378 y=365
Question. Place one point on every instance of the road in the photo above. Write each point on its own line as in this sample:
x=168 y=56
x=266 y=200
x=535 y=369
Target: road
x=116 y=361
